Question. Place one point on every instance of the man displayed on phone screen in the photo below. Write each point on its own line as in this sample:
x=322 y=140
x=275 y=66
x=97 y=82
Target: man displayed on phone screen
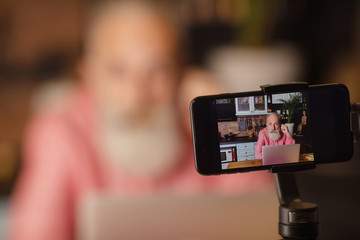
x=275 y=133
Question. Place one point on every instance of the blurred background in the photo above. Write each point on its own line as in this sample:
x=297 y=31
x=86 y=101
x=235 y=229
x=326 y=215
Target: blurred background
x=243 y=43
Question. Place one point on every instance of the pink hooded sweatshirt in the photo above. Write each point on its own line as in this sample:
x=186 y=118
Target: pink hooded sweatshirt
x=61 y=164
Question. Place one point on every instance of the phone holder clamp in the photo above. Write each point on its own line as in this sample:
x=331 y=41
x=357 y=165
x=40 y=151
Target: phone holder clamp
x=355 y=121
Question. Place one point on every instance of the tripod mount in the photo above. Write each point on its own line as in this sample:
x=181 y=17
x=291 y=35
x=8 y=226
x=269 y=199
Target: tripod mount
x=297 y=219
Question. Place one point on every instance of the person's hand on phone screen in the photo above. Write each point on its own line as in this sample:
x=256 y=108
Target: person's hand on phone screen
x=285 y=130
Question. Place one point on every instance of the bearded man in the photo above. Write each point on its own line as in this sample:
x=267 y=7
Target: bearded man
x=275 y=133
x=120 y=131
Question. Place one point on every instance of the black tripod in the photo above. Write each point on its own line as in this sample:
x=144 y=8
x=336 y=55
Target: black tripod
x=297 y=219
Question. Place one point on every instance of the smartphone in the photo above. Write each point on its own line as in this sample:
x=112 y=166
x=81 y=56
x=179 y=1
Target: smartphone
x=241 y=132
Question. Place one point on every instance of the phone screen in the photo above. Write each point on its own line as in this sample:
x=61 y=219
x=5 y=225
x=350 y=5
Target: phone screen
x=260 y=130
x=240 y=132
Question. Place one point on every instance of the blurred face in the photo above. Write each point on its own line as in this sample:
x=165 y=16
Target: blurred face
x=130 y=66
x=131 y=63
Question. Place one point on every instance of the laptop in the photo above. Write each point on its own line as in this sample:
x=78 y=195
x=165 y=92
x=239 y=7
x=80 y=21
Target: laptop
x=201 y=217
x=280 y=154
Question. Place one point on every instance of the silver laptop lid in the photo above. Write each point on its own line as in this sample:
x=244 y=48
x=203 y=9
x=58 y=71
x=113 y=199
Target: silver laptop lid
x=280 y=154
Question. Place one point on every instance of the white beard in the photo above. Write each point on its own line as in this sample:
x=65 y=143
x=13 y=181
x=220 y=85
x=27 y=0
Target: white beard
x=274 y=134
x=148 y=148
